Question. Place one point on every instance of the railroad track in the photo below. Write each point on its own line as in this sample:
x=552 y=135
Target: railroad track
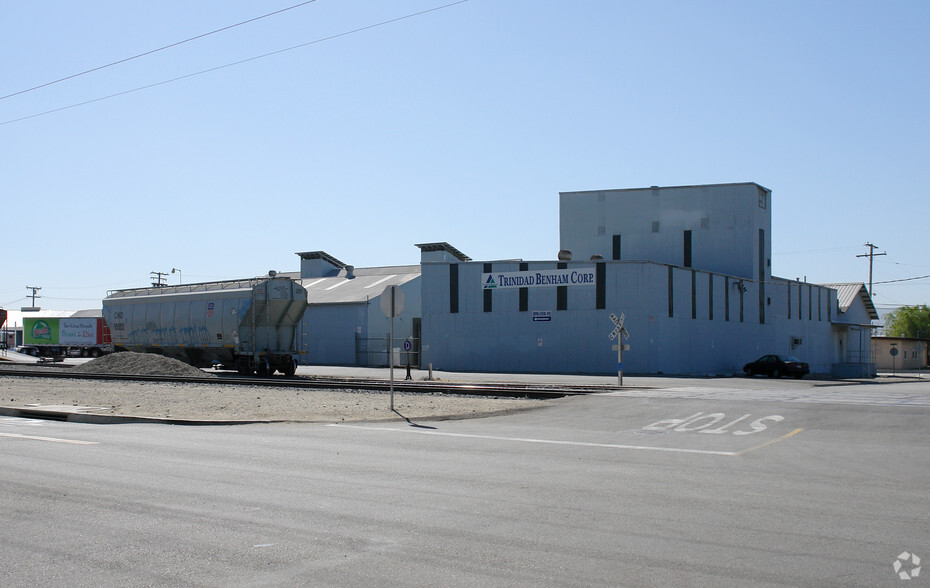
x=505 y=389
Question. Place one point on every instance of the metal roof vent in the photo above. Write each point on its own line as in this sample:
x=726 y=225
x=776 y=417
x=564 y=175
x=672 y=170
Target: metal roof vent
x=350 y=271
x=565 y=255
x=272 y=273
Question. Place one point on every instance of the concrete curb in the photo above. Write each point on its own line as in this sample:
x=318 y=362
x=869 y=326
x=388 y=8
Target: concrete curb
x=113 y=419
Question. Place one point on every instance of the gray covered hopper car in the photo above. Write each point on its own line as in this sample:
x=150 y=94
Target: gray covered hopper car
x=246 y=325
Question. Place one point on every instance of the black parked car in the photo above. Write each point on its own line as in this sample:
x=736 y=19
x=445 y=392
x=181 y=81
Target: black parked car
x=776 y=366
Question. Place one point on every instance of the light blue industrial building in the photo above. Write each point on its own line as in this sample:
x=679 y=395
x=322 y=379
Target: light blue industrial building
x=689 y=270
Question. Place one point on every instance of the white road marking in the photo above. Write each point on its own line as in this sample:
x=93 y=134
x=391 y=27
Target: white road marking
x=17 y=421
x=543 y=441
x=51 y=439
x=816 y=395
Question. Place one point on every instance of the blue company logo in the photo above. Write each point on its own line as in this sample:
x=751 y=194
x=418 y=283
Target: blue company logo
x=490 y=283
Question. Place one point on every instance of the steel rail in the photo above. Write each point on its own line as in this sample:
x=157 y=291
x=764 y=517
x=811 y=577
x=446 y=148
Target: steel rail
x=505 y=389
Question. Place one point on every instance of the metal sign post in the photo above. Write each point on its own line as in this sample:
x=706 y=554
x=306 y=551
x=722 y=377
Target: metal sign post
x=392 y=302
x=619 y=329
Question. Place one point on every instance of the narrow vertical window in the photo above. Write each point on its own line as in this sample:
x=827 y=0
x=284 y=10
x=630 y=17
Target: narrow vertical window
x=488 y=293
x=561 y=292
x=693 y=294
x=726 y=298
x=687 y=252
x=799 y=303
x=524 y=292
x=710 y=296
x=616 y=247
x=671 y=293
x=741 y=290
x=600 y=285
x=453 y=288
x=762 y=276
x=810 y=298
x=789 y=300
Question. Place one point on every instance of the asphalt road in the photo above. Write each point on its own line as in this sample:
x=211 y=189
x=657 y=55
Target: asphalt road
x=724 y=487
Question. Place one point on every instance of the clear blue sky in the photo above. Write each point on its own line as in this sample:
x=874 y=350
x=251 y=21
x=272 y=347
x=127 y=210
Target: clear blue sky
x=459 y=125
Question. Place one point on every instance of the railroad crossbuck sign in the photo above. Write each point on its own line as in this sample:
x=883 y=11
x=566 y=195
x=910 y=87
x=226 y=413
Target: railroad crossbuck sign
x=618 y=327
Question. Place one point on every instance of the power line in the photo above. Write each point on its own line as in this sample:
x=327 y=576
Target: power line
x=226 y=28
x=847 y=248
x=219 y=67
x=904 y=279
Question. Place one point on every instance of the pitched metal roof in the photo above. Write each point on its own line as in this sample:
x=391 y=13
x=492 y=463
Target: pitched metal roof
x=368 y=283
x=847 y=293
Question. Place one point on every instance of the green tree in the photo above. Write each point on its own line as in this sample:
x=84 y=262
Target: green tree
x=909 y=321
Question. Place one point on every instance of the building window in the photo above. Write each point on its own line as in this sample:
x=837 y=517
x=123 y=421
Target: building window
x=616 y=247
x=687 y=247
x=810 y=298
x=561 y=292
x=693 y=294
x=671 y=293
x=524 y=292
x=726 y=298
x=741 y=288
x=488 y=300
x=453 y=288
x=800 y=303
x=600 y=285
x=762 y=299
x=710 y=296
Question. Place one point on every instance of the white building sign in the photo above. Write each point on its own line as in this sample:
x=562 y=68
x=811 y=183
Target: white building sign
x=582 y=276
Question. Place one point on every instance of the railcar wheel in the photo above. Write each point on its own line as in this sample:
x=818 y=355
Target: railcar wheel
x=290 y=368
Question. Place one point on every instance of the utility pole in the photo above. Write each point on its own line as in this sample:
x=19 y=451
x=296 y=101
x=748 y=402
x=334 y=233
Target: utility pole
x=34 y=295
x=871 y=254
x=159 y=279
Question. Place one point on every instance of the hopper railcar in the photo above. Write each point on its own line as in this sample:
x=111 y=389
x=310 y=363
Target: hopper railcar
x=245 y=325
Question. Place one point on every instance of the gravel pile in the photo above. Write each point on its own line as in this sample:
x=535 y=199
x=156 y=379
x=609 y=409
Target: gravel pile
x=140 y=364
